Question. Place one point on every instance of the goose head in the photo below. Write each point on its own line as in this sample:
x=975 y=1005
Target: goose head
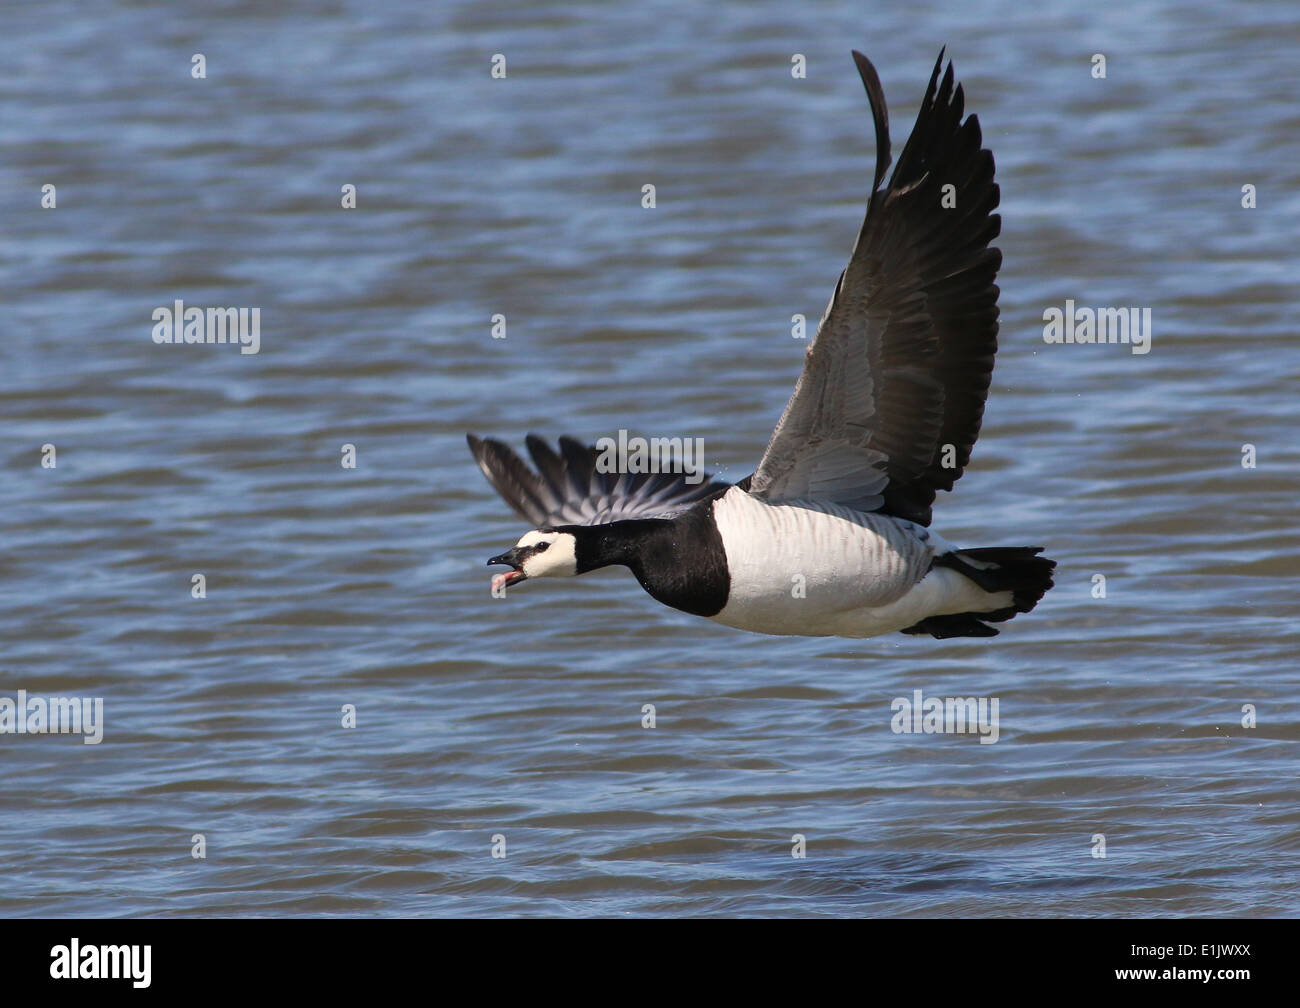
x=540 y=553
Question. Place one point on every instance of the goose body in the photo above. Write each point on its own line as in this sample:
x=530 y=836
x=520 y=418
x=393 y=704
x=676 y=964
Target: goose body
x=818 y=569
x=830 y=535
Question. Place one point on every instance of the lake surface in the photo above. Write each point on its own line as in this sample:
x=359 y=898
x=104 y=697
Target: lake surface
x=521 y=718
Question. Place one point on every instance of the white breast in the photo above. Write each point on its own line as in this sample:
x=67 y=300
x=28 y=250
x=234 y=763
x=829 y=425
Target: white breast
x=817 y=568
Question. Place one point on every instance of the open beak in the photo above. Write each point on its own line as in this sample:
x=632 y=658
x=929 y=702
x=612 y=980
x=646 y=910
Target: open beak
x=511 y=576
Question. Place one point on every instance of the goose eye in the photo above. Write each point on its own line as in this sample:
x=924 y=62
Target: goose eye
x=542 y=547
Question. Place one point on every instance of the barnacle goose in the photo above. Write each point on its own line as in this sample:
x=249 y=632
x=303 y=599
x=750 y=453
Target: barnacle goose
x=828 y=536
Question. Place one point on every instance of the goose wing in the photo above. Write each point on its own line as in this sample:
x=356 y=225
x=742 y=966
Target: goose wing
x=892 y=393
x=569 y=488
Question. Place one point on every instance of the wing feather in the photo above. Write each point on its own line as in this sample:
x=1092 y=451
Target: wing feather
x=568 y=487
x=891 y=397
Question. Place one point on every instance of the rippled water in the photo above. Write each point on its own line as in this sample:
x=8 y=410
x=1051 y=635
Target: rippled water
x=479 y=717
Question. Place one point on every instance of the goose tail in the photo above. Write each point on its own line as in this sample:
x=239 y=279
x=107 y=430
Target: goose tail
x=996 y=570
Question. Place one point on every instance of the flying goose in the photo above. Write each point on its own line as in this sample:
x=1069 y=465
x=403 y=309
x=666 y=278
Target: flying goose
x=829 y=536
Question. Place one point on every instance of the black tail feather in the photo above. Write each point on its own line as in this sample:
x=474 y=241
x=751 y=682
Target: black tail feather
x=1017 y=569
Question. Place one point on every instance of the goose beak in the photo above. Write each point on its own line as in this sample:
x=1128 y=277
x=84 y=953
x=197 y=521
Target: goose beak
x=510 y=558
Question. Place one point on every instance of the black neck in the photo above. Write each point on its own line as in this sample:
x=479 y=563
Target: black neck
x=680 y=561
x=620 y=543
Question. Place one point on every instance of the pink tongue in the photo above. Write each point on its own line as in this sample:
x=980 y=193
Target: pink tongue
x=498 y=582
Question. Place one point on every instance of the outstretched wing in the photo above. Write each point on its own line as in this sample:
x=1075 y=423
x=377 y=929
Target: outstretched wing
x=892 y=393
x=568 y=488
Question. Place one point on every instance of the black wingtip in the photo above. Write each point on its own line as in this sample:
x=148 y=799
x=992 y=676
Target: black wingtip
x=933 y=88
x=478 y=449
x=879 y=114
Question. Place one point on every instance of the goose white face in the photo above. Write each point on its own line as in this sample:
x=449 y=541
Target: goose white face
x=538 y=554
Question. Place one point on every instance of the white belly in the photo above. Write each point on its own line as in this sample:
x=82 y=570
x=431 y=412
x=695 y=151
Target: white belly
x=817 y=569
